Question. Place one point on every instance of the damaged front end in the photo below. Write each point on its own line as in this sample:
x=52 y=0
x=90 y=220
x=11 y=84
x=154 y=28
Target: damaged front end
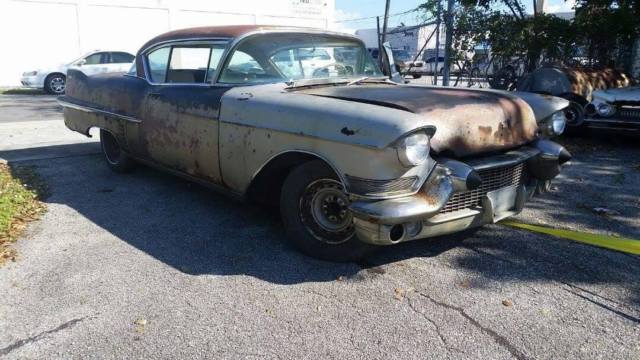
x=461 y=195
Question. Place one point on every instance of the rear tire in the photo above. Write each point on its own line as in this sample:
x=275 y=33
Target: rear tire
x=114 y=155
x=314 y=209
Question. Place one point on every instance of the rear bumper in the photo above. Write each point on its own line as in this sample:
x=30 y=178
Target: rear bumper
x=445 y=206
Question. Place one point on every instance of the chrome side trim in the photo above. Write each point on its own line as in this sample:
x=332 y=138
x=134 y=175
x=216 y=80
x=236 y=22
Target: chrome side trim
x=92 y=110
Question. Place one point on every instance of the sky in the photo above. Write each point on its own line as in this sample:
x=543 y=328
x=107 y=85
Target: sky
x=356 y=9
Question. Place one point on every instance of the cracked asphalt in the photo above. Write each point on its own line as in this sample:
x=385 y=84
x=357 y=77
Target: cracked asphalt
x=147 y=265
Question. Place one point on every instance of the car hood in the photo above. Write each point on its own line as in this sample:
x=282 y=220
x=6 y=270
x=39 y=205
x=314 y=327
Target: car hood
x=468 y=121
x=628 y=94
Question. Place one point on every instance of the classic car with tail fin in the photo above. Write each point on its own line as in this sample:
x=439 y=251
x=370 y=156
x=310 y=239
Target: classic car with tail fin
x=351 y=159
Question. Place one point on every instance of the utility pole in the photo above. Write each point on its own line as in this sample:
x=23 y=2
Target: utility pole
x=435 y=71
x=379 y=42
x=448 y=20
x=386 y=20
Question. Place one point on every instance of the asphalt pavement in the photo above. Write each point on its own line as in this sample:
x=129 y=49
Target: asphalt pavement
x=148 y=265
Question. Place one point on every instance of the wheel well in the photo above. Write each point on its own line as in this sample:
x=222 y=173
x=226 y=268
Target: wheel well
x=266 y=186
x=55 y=73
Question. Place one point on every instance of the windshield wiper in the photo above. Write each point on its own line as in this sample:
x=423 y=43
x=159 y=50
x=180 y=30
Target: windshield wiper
x=357 y=81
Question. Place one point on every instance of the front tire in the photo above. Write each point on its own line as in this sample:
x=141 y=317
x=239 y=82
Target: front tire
x=114 y=155
x=314 y=209
x=55 y=84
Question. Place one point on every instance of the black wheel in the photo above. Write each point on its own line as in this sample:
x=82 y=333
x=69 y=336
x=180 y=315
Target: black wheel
x=116 y=158
x=316 y=216
x=55 y=84
x=575 y=112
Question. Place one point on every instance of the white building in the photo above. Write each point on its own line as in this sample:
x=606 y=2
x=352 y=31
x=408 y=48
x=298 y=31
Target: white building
x=409 y=38
x=37 y=33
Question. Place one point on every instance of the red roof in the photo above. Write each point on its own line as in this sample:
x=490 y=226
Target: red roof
x=230 y=31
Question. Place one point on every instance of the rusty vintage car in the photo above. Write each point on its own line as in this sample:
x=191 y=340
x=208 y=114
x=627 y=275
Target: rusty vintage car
x=352 y=159
x=600 y=99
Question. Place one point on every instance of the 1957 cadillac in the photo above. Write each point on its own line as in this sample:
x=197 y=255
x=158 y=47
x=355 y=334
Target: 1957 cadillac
x=352 y=159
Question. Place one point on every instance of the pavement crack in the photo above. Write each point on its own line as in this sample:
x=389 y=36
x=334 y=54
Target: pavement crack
x=435 y=325
x=499 y=339
x=604 y=306
x=20 y=343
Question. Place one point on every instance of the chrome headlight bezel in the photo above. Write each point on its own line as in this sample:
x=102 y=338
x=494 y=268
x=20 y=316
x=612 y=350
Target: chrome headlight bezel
x=553 y=125
x=558 y=122
x=413 y=149
x=605 y=109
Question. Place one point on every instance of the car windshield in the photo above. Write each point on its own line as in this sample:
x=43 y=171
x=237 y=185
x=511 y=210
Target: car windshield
x=280 y=57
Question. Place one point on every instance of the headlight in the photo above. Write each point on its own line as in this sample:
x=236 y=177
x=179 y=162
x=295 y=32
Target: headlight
x=413 y=149
x=30 y=73
x=558 y=122
x=605 y=109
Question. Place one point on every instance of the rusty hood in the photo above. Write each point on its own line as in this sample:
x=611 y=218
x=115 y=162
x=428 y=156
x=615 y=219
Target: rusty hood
x=468 y=121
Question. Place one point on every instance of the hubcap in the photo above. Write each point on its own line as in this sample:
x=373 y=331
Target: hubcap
x=324 y=210
x=57 y=84
x=573 y=114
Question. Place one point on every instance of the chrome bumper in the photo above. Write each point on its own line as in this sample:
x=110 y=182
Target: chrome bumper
x=419 y=216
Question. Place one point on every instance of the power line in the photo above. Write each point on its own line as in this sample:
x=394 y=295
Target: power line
x=373 y=17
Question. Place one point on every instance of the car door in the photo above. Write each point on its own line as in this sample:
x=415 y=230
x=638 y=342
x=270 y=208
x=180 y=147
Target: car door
x=95 y=63
x=180 y=125
x=120 y=61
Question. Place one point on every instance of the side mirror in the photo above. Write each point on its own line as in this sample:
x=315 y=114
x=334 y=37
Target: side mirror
x=389 y=65
x=81 y=62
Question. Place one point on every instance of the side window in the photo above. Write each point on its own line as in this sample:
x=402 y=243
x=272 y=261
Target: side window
x=188 y=64
x=93 y=59
x=243 y=68
x=214 y=60
x=121 y=57
x=158 y=61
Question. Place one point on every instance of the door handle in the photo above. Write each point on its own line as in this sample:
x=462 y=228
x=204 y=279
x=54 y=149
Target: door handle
x=156 y=95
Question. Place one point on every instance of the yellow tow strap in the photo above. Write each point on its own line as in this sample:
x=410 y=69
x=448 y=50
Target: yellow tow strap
x=630 y=246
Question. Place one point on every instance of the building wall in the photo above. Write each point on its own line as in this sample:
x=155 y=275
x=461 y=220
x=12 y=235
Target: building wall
x=411 y=39
x=39 y=33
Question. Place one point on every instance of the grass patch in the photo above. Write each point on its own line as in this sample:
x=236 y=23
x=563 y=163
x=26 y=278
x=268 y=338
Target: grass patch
x=22 y=91
x=21 y=192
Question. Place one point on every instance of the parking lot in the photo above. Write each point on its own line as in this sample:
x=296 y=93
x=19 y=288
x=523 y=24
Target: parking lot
x=130 y=266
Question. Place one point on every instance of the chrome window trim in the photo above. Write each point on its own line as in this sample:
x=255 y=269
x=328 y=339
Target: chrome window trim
x=93 y=110
x=171 y=43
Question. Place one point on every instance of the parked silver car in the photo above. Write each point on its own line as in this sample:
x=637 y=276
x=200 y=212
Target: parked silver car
x=53 y=79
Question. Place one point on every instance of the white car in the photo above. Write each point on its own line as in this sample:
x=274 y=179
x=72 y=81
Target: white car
x=53 y=79
x=305 y=62
x=432 y=66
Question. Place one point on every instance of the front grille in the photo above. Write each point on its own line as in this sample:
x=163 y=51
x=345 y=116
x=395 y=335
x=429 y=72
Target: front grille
x=369 y=187
x=629 y=112
x=492 y=179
